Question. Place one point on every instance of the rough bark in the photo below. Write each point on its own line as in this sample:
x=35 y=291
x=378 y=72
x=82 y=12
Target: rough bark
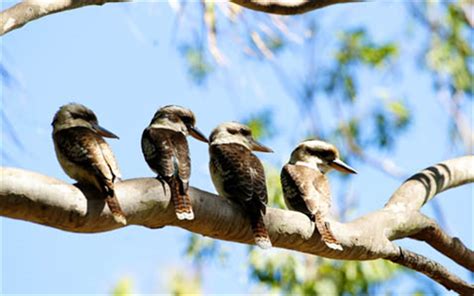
x=37 y=198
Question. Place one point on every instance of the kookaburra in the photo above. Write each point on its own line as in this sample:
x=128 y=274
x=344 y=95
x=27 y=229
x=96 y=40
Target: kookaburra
x=84 y=155
x=238 y=175
x=166 y=151
x=306 y=187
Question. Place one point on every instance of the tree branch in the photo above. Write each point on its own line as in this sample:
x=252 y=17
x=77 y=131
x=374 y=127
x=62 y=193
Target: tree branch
x=37 y=198
x=449 y=246
x=434 y=270
x=288 y=7
x=421 y=187
x=28 y=10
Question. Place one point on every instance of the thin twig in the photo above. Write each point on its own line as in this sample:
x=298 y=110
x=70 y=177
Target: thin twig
x=434 y=270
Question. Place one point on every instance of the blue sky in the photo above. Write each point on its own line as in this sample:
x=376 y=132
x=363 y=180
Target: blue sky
x=120 y=61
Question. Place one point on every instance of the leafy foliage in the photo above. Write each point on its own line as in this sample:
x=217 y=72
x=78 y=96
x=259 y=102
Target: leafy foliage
x=296 y=274
x=356 y=50
x=390 y=120
x=202 y=248
x=199 y=67
x=261 y=124
x=450 y=54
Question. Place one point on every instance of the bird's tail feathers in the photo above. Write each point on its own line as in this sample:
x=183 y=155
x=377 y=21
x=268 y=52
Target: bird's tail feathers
x=182 y=202
x=260 y=233
x=326 y=233
x=114 y=206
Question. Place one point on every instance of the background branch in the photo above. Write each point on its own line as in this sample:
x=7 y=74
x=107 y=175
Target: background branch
x=28 y=10
x=22 y=13
x=433 y=270
x=37 y=198
x=288 y=7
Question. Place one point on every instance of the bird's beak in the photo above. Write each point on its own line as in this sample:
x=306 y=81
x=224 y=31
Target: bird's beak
x=104 y=132
x=256 y=146
x=197 y=134
x=342 y=167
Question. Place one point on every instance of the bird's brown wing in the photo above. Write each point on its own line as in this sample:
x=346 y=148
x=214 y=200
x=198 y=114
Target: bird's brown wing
x=93 y=163
x=241 y=174
x=88 y=150
x=295 y=189
x=167 y=153
x=242 y=179
x=307 y=190
x=110 y=158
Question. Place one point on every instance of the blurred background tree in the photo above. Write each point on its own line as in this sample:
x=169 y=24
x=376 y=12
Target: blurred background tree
x=324 y=73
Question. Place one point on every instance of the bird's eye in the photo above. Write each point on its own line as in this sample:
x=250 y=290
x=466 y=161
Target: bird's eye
x=310 y=151
x=84 y=116
x=232 y=131
x=187 y=120
x=75 y=115
x=245 y=132
x=326 y=154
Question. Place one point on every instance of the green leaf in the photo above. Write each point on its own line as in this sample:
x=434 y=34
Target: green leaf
x=199 y=67
x=202 y=248
x=400 y=113
x=261 y=124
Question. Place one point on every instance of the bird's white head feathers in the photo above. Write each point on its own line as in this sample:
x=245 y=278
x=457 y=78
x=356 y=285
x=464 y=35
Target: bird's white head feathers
x=236 y=133
x=178 y=119
x=77 y=115
x=319 y=155
x=73 y=115
x=173 y=117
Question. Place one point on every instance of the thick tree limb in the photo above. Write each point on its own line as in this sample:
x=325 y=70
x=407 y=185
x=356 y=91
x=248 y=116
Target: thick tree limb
x=288 y=7
x=20 y=14
x=421 y=187
x=37 y=198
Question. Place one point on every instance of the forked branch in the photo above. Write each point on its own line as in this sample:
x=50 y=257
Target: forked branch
x=37 y=198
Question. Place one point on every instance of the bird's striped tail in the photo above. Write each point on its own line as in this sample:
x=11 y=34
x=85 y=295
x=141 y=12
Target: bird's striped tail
x=114 y=206
x=182 y=202
x=260 y=233
x=326 y=233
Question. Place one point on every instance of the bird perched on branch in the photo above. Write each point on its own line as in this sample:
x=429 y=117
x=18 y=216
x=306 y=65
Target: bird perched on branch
x=238 y=175
x=84 y=155
x=166 y=151
x=306 y=187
